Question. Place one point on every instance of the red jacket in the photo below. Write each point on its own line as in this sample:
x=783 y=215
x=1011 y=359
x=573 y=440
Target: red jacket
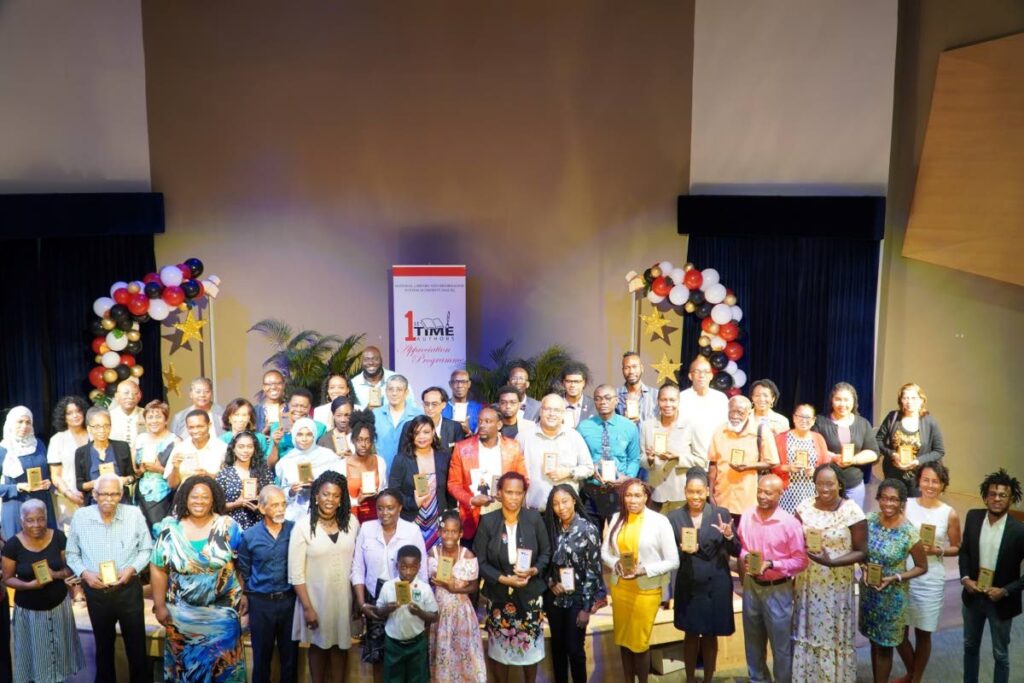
x=780 y=442
x=465 y=458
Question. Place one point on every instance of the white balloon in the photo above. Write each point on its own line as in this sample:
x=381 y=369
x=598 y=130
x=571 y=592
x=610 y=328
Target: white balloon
x=666 y=267
x=721 y=313
x=715 y=294
x=737 y=313
x=710 y=276
x=678 y=295
x=654 y=298
x=116 y=286
x=111 y=359
x=739 y=378
x=677 y=275
x=717 y=343
x=158 y=309
x=731 y=368
x=171 y=276
x=117 y=342
x=102 y=305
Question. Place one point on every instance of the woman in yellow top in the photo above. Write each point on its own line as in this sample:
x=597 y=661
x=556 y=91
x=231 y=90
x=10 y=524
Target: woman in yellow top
x=640 y=549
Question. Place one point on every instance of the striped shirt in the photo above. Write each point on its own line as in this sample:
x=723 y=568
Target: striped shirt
x=125 y=540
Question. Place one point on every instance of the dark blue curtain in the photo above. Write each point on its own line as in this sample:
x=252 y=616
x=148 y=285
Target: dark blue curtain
x=46 y=307
x=808 y=311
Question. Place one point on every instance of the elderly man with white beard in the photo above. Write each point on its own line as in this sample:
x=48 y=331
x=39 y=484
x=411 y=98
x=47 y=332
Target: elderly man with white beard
x=736 y=455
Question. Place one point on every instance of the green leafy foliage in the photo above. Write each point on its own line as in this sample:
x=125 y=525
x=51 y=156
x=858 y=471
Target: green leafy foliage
x=545 y=370
x=307 y=357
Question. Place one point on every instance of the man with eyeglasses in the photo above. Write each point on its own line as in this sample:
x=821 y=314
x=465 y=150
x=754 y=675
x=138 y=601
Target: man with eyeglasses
x=126 y=417
x=610 y=438
x=555 y=454
x=111 y=532
x=578 y=406
x=448 y=431
x=990 y=559
x=702 y=408
x=200 y=393
x=529 y=408
x=102 y=455
x=513 y=424
x=461 y=409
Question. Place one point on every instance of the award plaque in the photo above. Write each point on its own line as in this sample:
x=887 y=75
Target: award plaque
x=42 y=571
x=523 y=559
x=755 y=561
x=460 y=412
x=403 y=592
x=305 y=472
x=107 y=468
x=421 y=482
x=444 y=568
x=801 y=459
x=35 y=477
x=374 y=401
x=846 y=456
x=608 y=470
x=928 y=534
x=550 y=462
x=108 y=572
x=249 y=486
x=368 y=482
x=874 y=574
x=905 y=455
x=273 y=412
x=737 y=456
x=628 y=563
x=984 y=579
x=632 y=409
x=814 y=540
x=567 y=577
x=688 y=540
x=570 y=419
x=660 y=443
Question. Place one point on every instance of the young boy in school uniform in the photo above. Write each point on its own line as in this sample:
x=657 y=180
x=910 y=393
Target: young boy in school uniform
x=405 y=637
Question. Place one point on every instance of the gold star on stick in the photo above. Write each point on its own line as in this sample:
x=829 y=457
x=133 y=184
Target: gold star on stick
x=666 y=370
x=171 y=380
x=190 y=329
x=654 y=324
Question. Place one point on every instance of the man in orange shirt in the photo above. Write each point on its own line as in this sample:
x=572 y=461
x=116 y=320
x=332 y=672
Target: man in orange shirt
x=736 y=455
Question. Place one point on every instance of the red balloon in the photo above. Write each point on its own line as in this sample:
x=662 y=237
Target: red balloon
x=97 y=342
x=733 y=351
x=660 y=287
x=173 y=296
x=186 y=272
x=693 y=279
x=733 y=391
x=96 y=377
x=728 y=331
x=706 y=324
x=122 y=296
x=152 y=277
x=138 y=304
x=128 y=359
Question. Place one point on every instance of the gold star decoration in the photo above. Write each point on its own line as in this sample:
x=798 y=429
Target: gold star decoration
x=666 y=370
x=190 y=329
x=654 y=325
x=171 y=380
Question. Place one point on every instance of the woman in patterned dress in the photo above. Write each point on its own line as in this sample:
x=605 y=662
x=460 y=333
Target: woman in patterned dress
x=420 y=452
x=153 y=447
x=825 y=610
x=909 y=426
x=456 y=650
x=797 y=479
x=891 y=538
x=196 y=593
x=243 y=460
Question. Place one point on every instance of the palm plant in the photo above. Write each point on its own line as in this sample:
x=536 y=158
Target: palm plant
x=545 y=370
x=305 y=358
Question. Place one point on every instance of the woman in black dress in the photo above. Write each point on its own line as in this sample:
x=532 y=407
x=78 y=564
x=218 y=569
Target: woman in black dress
x=703 y=591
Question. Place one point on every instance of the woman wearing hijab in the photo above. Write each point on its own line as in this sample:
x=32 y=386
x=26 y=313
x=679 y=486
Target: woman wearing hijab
x=20 y=451
x=290 y=468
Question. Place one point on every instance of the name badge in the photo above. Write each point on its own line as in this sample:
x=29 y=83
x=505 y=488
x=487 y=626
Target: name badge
x=567 y=577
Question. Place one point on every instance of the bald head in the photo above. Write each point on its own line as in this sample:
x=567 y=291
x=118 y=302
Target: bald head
x=370 y=362
x=552 y=412
x=769 y=491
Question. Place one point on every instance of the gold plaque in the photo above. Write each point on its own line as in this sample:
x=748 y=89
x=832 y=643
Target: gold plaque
x=984 y=579
x=305 y=472
x=422 y=484
x=846 y=456
x=42 y=571
x=249 y=488
x=368 y=482
x=567 y=577
x=905 y=455
x=874 y=574
x=628 y=563
x=108 y=572
x=35 y=477
x=444 y=568
x=374 y=401
x=632 y=409
x=737 y=456
x=688 y=540
x=801 y=459
x=550 y=462
x=928 y=534
x=755 y=560
x=273 y=412
x=608 y=470
x=660 y=443
x=460 y=412
x=524 y=558
x=107 y=468
x=403 y=592
x=814 y=540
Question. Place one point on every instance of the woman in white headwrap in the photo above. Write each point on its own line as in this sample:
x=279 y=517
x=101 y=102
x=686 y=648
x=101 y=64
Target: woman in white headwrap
x=20 y=451
x=288 y=470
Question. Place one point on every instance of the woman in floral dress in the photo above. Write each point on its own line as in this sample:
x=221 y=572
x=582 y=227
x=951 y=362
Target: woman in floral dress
x=825 y=613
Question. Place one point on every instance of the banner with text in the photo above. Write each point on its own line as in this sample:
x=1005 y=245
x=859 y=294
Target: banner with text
x=428 y=331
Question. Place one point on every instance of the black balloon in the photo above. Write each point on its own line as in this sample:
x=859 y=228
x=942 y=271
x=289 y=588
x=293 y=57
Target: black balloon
x=722 y=381
x=119 y=312
x=134 y=347
x=191 y=289
x=195 y=266
x=96 y=328
x=696 y=297
x=153 y=290
x=144 y=318
x=125 y=324
x=706 y=351
x=718 y=360
x=704 y=310
x=648 y=277
x=123 y=372
x=111 y=389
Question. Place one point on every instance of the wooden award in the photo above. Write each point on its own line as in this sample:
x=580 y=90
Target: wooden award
x=421 y=482
x=660 y=443
x=632 y=409
x=928 y=534
x=368 y=482
x=628 y=563
x=688 y=540
x=249 y=486
x=567 y=577
x=608 y=470
x=736 y=456
x=874 y=574
x=846 y=455
x=905 y=455
x=984 y=579
x=35 y=477
x=801 y=459
x=108 y=572
x=42 y=571
x=550 y=462
x=460 y=412
x=286 y=421
x=305 y=472
x=374 y=401
x=524 y=558
x=444 y=568
x=403 y=592
x=814 y=540
x=755 y=561
x=107 y=468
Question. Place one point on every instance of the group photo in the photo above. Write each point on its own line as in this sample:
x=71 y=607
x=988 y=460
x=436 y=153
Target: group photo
x=459 y=343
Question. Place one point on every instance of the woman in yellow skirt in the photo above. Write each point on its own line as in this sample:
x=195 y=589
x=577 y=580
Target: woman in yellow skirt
x=640 y=549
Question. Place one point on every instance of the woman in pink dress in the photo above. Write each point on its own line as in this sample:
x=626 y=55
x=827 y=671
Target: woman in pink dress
x=456 y=650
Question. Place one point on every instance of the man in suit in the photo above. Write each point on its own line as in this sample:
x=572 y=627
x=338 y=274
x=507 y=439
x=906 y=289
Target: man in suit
x=519 y=377
x=578 y=406
x=992 y=541
x=448 y=431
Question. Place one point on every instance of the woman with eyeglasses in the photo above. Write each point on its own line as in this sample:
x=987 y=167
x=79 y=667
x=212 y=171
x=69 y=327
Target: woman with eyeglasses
x=913 y=431
x=800 y=450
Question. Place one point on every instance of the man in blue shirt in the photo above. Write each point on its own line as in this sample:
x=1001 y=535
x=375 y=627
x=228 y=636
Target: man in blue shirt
x=610 y=438
x=263 y=565
x=460 y=409
x=390 y=418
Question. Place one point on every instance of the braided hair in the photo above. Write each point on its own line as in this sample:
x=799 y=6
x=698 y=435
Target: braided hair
x=344 y=512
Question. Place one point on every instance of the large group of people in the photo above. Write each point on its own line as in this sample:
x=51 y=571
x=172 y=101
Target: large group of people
x=400 y=523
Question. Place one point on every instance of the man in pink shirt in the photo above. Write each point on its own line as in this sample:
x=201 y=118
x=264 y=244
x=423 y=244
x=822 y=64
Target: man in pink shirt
x=772 y=552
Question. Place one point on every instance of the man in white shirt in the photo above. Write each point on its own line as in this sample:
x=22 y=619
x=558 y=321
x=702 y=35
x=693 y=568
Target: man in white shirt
x=529 y=408
x=555 y=454
x=513 y=424
x=200 y=393
x=702 y=408
x=198 y=453
x=369 y=383
x=126 y=419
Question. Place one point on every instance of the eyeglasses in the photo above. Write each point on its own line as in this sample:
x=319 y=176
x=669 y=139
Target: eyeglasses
x=552 y=410
x=998 y=495
x=574 y=381
x=432 y=404
x=100 y=427
x=459 y=381
x=803 y=417
x=273 y=384
x=113 y=494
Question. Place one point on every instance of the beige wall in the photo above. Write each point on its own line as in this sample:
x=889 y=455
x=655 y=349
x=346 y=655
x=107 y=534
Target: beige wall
x=304 y=152
x=956 y=334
